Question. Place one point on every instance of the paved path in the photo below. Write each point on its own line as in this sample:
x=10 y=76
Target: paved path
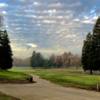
x=45 y=90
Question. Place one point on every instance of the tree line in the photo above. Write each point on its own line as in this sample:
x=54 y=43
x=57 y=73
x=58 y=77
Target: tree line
x=21 y=62
x=64 y=60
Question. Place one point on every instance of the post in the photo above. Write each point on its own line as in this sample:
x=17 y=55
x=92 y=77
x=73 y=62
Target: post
x=97 y=87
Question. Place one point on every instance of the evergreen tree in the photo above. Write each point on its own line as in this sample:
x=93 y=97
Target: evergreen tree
x=52 y=61
x=96 y=45
x=5 y=51
x=86 y=53
x=91 y=49
x=37 y=60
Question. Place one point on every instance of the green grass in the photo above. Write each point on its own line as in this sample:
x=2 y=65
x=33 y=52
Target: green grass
x=71 y=77
x=13 y=76
x=6 y=97
x=67 y=77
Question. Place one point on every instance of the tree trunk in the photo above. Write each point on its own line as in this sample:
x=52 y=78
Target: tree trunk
x=91 y=72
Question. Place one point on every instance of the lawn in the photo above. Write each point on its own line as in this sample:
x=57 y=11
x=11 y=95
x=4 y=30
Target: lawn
x=70 y=77
x=6 y=97
x=13 y=77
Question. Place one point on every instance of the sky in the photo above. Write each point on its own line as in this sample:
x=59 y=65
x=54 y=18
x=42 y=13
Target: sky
x=48 y=26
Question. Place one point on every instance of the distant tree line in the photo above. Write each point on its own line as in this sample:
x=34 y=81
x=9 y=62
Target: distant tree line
x=91 y=50
x=21 y=62
x=64 y=60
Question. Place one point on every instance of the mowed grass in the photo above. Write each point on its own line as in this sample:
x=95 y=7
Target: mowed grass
x=6 y=97
x=70 y=77
x=13 y=77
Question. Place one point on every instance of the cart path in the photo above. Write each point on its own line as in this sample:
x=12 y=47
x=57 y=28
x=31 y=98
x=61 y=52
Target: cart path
x=45 y=90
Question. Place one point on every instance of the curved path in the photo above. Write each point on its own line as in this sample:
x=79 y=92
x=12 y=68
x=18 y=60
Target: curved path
x=45 y=90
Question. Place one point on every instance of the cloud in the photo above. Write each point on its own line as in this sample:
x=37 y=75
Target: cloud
x=49 y=21
x=56 y=5
x=3 y=5
x=4 y=12
x=31 y=45
x=76 y=20
x=43 y=24
x=70 y=36
x=87 y=22
x=89 y=19
x=36 y=3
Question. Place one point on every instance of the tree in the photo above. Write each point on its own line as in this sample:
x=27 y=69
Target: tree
x=96 y=45
x=58 y=61
x=86 y=53
x=66 y=59
x=52 y=61
x=91 y=49
x=37 y=60
x=5 y=51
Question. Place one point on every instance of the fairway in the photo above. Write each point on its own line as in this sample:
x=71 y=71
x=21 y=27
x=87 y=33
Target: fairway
x=56 y=85
x=70 y=77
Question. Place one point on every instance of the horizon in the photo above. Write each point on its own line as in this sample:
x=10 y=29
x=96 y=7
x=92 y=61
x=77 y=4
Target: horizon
x=49 y=27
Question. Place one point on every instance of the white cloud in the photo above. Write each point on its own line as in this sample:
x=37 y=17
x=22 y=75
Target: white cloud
x=76 y=20
x=70 y=36
x=49 y=21
x=3 y=12
x=36 y=4
x=95 y=17
x=87 y=22
x=52 y=12
x=31 y=45
x=2 y=5
x=31 y=16
x=89 y=19
x=22 y=51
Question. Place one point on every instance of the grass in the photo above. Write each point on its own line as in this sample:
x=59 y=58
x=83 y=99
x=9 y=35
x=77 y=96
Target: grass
x=13 y=77
x=70 y=77
x=6 y=97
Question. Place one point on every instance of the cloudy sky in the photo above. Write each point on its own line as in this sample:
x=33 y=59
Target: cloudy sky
x=48 y=26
